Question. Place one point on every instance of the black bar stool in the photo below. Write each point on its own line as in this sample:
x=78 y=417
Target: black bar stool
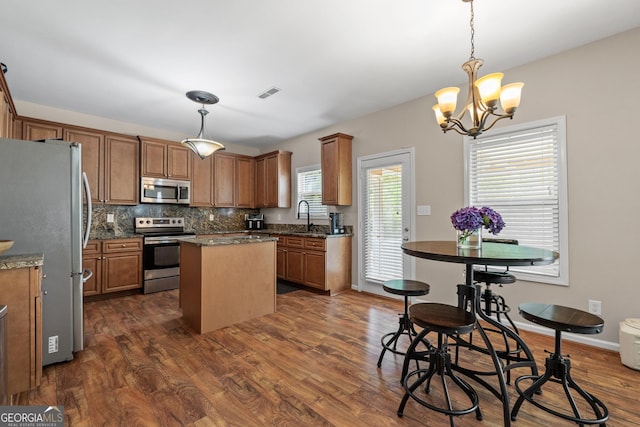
x=445 y=320
x=495 y=304
x=558 y=367
x=492 y=302
x=407 y=288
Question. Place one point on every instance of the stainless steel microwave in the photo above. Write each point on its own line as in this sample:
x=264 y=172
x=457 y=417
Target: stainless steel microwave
x=160 y=190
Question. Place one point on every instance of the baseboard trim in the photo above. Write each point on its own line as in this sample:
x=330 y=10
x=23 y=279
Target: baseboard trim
x=530 y=327
x=579 y=338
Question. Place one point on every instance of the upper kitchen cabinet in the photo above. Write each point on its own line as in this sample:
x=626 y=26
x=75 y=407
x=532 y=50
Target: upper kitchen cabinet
x=273 y=180
x=336 y=169
x=92 y=158
x=165 y=159
x=245 y=182
x=224 y=179
x=34 y=130
x=202 y=182
x=7 y=110
x=121 y=176
x=111 y=164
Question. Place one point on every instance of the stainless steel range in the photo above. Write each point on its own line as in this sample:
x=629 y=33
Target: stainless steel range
x=161 y=252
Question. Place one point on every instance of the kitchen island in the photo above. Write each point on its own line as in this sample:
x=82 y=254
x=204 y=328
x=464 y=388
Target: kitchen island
x=226 y=280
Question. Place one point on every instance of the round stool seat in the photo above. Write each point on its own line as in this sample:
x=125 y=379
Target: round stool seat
x=497 y=277
x=406 y=288
x=562 y=318
x=447 y=319
x=558 y=366
x=409 y=288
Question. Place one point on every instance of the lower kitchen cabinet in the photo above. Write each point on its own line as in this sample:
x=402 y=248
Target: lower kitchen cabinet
x=92 y=259
x=116 y=265
x=320 y=263
x=20 y=292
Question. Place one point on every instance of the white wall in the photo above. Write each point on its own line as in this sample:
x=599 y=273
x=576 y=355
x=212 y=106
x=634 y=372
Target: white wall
x=597 y=88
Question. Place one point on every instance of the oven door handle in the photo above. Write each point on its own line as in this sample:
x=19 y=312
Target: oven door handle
x=160 y=242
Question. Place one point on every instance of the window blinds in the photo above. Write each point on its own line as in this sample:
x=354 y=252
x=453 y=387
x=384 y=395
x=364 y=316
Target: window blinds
x=310 y=189
x=382 y=235
x=517 y=174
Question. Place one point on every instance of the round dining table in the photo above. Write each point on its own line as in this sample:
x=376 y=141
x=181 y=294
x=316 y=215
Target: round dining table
x=489 y=254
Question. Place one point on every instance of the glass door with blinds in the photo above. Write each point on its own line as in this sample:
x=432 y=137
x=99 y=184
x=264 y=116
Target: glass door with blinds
x=385 y=218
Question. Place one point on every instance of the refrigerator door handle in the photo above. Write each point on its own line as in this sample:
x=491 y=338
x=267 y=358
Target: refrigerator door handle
x=87 y=192
x=89 y=275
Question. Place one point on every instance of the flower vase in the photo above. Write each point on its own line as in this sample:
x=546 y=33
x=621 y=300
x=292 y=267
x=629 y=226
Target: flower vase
x=469 y=239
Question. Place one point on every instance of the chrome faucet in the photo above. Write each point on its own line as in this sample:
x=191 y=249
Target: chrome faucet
x=308 y=223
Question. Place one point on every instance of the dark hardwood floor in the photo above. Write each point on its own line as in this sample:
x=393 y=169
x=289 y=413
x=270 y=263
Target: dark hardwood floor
x=313 y=363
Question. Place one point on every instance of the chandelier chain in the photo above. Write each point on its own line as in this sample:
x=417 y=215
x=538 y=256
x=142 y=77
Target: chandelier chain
x=473 y=32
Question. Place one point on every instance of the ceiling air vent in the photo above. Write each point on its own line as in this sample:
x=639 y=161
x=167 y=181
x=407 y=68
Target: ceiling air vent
x=267 y=93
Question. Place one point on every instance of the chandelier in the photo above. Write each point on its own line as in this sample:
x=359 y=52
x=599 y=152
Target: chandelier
x=482 y=98
x=200 y=145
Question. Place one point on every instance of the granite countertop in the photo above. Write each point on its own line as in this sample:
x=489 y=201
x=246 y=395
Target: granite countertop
x=8 y=262
x=234 y=240
x=108 y=235
x=318 y=235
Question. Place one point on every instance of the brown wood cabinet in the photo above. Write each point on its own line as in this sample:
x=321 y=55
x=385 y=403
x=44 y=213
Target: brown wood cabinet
x=116 y=265
x=92 y=259
x=323 y=264
x=223 y=180
x=245 y=182
x=121 y=173
x=202 y=182
x=224 y=177
x=165 y=159
x=111 y=161
x=20 y=292
x=336 y=169
x=273 y=180
x=40 y=129
x=7 y=109
x=93 y=161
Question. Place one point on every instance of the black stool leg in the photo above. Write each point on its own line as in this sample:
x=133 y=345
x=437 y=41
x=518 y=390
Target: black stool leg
x=440 y=364
x=558 y=370
x=405 y=328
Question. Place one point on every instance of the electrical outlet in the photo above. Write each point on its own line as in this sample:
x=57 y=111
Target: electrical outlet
x=595 y=307
x=210 y=217
x=110 y=218
x=53 y=344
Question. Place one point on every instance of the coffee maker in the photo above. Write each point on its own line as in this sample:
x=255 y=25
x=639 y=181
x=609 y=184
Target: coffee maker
x=336 y=225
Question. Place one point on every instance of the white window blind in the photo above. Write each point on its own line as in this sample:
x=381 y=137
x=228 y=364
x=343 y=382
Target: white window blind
x=520 y=174
x=382 y=236
x=310 y=189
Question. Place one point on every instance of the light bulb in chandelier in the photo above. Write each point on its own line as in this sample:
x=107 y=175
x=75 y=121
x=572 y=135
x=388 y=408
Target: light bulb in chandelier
x=483 y=95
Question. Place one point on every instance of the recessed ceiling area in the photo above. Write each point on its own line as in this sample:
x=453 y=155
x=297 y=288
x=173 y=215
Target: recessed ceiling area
x=331 y=60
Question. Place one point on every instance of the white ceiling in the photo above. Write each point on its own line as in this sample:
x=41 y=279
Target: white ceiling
x=333 y=60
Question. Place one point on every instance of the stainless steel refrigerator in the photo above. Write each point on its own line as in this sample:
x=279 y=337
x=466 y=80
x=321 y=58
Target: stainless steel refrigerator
x=41 y=209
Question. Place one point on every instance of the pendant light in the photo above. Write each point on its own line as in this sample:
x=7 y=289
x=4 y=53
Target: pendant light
x=482 y=98
x=200 y=145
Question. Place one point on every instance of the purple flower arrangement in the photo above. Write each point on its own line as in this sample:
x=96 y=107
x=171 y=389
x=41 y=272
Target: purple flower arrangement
x=469 y=219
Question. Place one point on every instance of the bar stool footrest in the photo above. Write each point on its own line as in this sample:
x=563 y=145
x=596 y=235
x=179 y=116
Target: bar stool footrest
x=596 y=404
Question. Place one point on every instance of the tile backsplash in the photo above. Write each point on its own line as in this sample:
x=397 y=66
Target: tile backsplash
x=195 y=219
